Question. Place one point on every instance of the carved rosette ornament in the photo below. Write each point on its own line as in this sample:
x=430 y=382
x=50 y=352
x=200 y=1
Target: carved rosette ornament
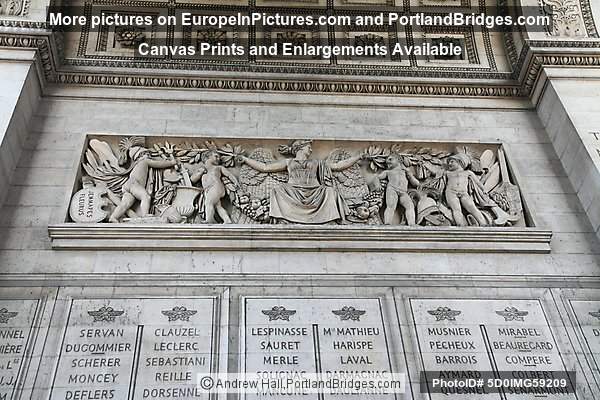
x=129 y=36
x=241 y=183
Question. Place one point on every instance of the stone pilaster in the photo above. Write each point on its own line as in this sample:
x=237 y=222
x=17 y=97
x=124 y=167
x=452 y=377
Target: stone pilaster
x=569 y=109
x=19 y=95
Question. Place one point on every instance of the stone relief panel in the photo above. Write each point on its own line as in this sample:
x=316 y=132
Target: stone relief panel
x=141 y=180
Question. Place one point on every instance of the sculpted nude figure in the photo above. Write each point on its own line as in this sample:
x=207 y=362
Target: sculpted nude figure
x=457 y=190
x=135 y=187
x=398 y=177
x=214 y=189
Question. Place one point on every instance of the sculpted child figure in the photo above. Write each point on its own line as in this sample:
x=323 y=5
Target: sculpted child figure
x=135 y=186
x=214 y=189
x=457 y=190
x=398 y=177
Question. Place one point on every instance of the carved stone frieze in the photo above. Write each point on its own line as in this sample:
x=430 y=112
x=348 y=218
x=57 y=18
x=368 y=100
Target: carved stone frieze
x=566 y=17
x=94 y=47
x=18 y=8
x=527 y=70
x=137 y=180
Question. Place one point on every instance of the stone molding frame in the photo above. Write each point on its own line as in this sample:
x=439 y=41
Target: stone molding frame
x=534 y=57
x=299 y=238
x=372 y=236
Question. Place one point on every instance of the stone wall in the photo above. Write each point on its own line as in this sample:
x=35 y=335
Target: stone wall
x=569 y=111
x=19 y=95
x=410 y=287
x=42 y=182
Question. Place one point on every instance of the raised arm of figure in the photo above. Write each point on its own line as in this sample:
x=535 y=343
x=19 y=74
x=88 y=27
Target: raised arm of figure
x=196 y=176
x=231 y=176
x=159 y=164
x=411 y=177
x=347 y=163
x=277 y=166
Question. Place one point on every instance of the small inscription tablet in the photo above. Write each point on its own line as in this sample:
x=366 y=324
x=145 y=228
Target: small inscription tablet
x=588 y=318
x=298 y=336
x=16 y=322
x=136 y=349
x=507 y=341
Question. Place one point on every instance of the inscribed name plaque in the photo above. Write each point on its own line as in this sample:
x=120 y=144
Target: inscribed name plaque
x=292 y=337
x=16 y=322
x=588 y=319
x=489 y=339
x=136 y=349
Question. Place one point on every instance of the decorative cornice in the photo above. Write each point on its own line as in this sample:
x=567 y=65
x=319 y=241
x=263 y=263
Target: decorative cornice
x=365 y=71
x=246 y=279
x=535 y=55
x=298 y=237
x=280 y=85
x=544 y=56
x=41 y=43
x=23 y=24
